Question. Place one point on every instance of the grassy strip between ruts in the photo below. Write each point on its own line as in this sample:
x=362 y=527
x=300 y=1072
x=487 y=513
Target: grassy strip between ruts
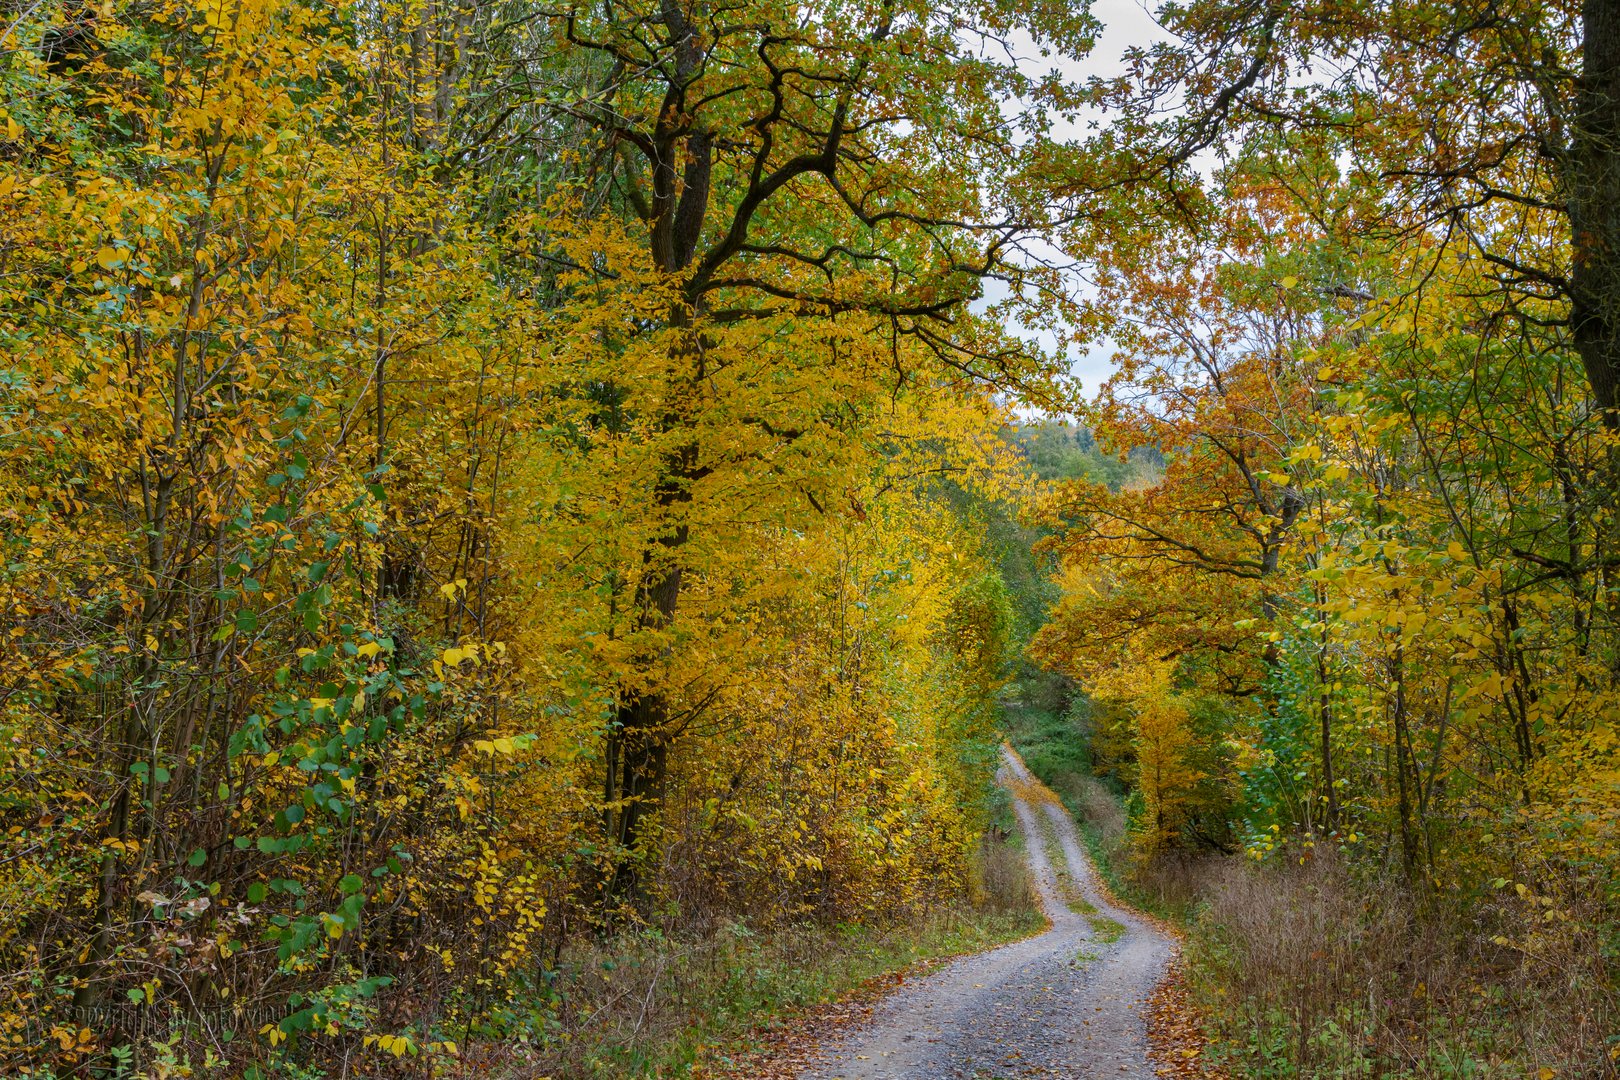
x=1037 y=792
x=1057 y=753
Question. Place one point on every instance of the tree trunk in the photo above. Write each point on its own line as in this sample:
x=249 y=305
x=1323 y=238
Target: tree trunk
x=637 y=748
x=1325 y=731
x=638 y=745
x=1404 y=768
x=636 y=776
x=1594 y=206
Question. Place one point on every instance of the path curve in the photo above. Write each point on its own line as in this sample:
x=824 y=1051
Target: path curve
x=1067 y=1004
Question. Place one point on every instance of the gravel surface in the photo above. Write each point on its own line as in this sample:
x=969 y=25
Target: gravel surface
x=1068 y=1004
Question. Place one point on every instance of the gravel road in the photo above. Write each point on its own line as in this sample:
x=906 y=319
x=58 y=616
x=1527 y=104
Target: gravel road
x=1068 y=1004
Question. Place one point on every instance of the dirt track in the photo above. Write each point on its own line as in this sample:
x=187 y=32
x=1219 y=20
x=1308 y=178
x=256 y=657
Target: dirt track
x=1067 y=1004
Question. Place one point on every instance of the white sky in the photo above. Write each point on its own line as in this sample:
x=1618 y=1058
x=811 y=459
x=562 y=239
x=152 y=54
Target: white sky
x=1125 y=23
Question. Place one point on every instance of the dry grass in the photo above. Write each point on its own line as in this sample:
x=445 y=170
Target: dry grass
x=1175 y=882
x=1315 y=973
x=1000 y=877
x=1106 y=831
x=1099 y=809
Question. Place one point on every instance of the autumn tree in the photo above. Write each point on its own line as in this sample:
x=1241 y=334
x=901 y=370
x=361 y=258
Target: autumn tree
x=852 y=168
x=1216 y=331
x=1388 y=305
x=1490 y=122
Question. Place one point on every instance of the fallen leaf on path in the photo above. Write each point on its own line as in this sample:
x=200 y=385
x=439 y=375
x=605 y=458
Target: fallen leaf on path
x=1176 y=1037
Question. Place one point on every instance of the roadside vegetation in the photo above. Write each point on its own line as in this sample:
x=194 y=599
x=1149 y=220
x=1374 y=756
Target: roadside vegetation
x=462 y=596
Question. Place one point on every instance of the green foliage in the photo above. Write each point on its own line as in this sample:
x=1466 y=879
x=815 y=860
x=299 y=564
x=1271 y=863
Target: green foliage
x=1058 y=452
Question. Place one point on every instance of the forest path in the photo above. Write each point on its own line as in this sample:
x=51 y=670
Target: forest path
x=1067 y=1004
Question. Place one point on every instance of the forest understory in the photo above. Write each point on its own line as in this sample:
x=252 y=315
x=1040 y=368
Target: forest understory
x=525 y=527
